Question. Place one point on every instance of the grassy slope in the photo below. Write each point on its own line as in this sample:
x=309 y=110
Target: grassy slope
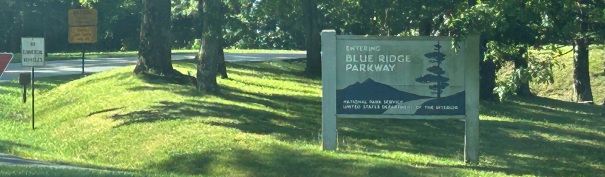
x=20 y=171
x=562 y=88
x=267 y=123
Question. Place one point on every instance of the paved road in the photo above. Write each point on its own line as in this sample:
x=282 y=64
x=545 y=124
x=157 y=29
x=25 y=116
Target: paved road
x=71 y=67
x=17 y=161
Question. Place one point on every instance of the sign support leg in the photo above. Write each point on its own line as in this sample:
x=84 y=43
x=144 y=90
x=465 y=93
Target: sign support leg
x=328 y=59
x=471 y=130
x=24 y=93
x=82 y=58
x=471 y=140
x=33 y=107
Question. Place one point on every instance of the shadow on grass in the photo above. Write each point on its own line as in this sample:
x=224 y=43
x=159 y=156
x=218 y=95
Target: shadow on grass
x=41 y=84
x=292 y=117
x=543 y=138
x=298 y=118
x=48 y=83
x=439 y=138
x=11 y=93
x=6 y=146
x=290 y=68
x=539 y=139
x=278 y=160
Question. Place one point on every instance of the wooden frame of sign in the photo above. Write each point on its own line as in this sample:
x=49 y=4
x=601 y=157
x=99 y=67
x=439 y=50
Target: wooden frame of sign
x=401 y=78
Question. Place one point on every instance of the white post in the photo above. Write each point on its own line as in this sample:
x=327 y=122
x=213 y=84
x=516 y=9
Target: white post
x=328 y=80
x=471 y=134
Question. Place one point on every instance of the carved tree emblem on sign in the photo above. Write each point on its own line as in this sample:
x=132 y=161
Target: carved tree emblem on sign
x=440 y=82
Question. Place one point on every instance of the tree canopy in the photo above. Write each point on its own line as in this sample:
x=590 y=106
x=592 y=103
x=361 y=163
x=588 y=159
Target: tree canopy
x=509 y=28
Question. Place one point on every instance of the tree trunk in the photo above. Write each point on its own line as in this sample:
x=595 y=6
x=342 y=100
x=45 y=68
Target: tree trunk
x=222 y=65
x=487 y=81
x=581 y=72
x=198 y=28
x=521 y=63
x=210 y=53
x=313 y=38
x=155 y=45
x=425 y=27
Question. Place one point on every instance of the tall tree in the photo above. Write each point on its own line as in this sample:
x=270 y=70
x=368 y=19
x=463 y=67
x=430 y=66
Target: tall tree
x=487 y=69
x=521 y=63
x=313 y=38
x=196 y=7
x=209 y=54
x=508 y=29
x=155 y=45
x=222 y=64
x=581 y=74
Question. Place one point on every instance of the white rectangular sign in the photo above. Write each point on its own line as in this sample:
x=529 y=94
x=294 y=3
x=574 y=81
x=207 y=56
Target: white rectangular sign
x=400 y=77
x=32 y=52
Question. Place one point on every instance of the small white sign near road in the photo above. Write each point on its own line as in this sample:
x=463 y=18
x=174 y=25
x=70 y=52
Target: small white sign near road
x=32 y=52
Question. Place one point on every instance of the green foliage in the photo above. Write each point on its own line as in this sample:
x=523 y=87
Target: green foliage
x=184 y=7
x=513 y=26
x=278 y=23
x=31 y=18
x=539 y=70
x=273 y=24
x=562 y=88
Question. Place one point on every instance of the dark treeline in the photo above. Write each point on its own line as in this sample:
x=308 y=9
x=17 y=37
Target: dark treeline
x=279 y=24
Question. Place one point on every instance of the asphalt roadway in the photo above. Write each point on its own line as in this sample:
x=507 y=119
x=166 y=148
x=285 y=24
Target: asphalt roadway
x=73 y=67
x=17 y=161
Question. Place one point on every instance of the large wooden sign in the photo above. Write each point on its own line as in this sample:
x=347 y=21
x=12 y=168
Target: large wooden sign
x=82 y=25
x=400 y=77
x=414 y=76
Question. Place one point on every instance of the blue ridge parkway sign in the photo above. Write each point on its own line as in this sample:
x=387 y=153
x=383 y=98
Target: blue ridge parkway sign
x=400 y=77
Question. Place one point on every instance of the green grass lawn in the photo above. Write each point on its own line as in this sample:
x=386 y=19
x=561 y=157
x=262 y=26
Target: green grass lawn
x=267 y=122
x=20 y=171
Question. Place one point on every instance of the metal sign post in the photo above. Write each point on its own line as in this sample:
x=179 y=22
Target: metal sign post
x=33 y=105
x=83 y=52
x=32 y=55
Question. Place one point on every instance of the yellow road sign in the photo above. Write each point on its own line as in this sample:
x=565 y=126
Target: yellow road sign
x=82 y=17
x=82 y=34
